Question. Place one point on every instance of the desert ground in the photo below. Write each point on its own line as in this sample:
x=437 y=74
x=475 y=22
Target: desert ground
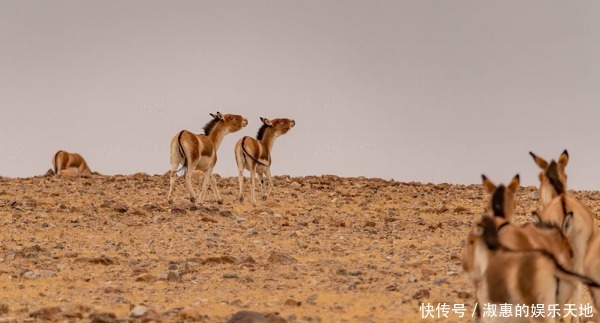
x=320 y=249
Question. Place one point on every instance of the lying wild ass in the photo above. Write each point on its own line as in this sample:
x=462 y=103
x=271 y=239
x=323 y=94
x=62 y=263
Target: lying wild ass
x=70 y=164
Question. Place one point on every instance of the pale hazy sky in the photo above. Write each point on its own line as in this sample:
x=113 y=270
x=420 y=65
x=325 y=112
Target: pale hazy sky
x=430 y=91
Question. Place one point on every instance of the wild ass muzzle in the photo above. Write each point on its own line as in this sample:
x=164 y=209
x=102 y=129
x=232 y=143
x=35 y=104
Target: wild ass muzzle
x=255 y=154
x=70 y=164
x=199 y=152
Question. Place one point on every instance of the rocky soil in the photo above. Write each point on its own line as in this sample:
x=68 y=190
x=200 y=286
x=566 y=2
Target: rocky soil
x=321 y=249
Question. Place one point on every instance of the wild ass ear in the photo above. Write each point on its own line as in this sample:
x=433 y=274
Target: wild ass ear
x=539 y=161
x=566 y=225
x=563 y=159
x=487 y=184
x=514 y=184
x=217 y=116
x=266 y=121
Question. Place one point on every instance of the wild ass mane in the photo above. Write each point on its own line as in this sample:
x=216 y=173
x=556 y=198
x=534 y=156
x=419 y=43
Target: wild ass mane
x=261 y=132
x=208 y=128
x=552 y=173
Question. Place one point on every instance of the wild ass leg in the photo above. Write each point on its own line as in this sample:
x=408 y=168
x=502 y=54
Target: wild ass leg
x=253 y=184
x=270 y=179
x=175 y=159
x=262 y=185
x=240 y=164
x=188 y=182
x=213 y=187
x=205 y=183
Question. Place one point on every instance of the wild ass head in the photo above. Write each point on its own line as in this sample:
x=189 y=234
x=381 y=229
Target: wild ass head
x=502 y=199
x=553 y=179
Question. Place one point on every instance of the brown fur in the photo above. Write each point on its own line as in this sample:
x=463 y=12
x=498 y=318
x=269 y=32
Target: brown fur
x=199 y=152
x=255 y=154
x=519 y=274
x=579 y=226
x=70 y=164
x=591 y=267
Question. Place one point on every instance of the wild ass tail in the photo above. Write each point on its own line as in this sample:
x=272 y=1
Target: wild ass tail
x=572 y=276
x=183 y=170
x=55 y=162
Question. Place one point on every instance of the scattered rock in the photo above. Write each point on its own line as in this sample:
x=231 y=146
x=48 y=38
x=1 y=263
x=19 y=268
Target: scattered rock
x=138 y=311
x=370 y=224
x=230 y=275
x=146 y=278
x=192 y=314
x=461 y=209
x=102 y=260
x=208 y=219
x=4 y=309
x=48 y=314
x=280 y=258
x=255 y=317
x=422 y=293
x=292 y=302
x=103 y=317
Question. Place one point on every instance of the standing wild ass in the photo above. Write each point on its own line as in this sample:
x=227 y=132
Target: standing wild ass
x=199 y=152
x=255 y=154
x=575 y=218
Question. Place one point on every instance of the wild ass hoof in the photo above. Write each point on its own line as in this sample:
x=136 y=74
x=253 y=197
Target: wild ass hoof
x=264 y=197
x=241 y=199
x=192 y=199
x=220 y=201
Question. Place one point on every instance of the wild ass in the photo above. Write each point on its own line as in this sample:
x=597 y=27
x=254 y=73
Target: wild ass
x=591 y=267
x=70 y=164
x=519 y=274
x=199 y=152
x=255 y=154
x=502 y=199
x=575 y=218
x=557 y=205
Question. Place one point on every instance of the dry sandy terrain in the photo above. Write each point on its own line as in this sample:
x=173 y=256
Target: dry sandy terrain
x=321 y=249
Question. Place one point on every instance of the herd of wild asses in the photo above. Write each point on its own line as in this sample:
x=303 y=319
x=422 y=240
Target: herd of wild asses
x=199 y=152
x=533 y=271
x=538 y=267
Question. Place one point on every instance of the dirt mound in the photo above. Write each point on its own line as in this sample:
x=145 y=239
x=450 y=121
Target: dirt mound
x=321 y=249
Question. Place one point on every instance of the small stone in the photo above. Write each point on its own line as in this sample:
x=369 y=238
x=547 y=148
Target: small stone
x=146 y=278
x=226 y=213
x=461 y=209
x=31 y=275
x=370 y=224
x=292 y=302
x=138 y=311
x=173 y=277
x=208 y=219
x=238 y=219
x=439 y=281
x=281 y=258
x=103 y=317
x=441 y=209
x=423 y=293
x=230 y=275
